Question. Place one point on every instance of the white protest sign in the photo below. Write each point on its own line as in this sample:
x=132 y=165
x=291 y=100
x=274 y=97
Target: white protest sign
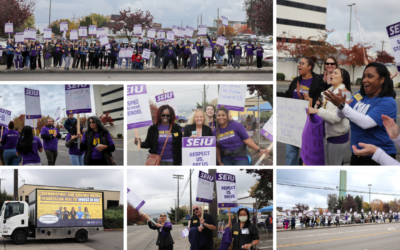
x=226 y=190
x=92 y=30
x=129 y=52
x=369 y=212
x=207 y=53
x=82 y=31
x=151 y=33
x=77 y=98
x=100 y=31
x=221 y=41
x=291 y=120
x=138 y=107
x=73 y=35
x=47 y=34
x=32 y=104
x=181 y=32
x=324 y=213
x=5 y=117
x=146 y=54
x=167 y=99
x=32 y=34
x=135 y=200
x=122 y=53
x=170 y=36
x=20 y=37
x=202 y=30
x=160 y=34
x=205 y=187
x=375 y=212
x=390 y=211
x=317 y=213
x=362 y=210
x=268 y=129
x=394 y=37
x=329 y=213
x=103 y=40
x=300 y=214
x=232 y=96
x=29 y=122
x=175 y=29
x=259 y=215
x=63 y=26
x=189 y=31
x=224 y=21
x=185 y=233
x=253 y=36
x=57 y=114
x=9 y=28
x=200 y=151
x=351 y=209
x=137 y=29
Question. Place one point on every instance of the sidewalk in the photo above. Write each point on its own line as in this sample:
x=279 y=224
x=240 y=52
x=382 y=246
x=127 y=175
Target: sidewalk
x=180 y=243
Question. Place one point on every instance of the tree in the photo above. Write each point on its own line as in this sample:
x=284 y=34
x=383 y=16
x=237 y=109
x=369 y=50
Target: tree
x=107 y=119
x=384 y=57
x=243 y=29
x=377 y=205
x=98 y=19
x=260 y=15
x=332 y=202
x=4 y=196
x=134 y=216
x=300 y=207
x=395 y=205
x=349 y=202
x=126 y=20
x=16 y=12
x=86 y=21
x=264 y=91
x=293 y=46
x=359 y=202
x=263 y=188
x=171 y=215
x=385 y=207
x=355 y=56
x=226 y=31
x=29 y=23
x=340 y=203
x=365 y=206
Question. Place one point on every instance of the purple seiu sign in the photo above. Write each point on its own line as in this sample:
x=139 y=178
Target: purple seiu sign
x=394 y=36
x=189 y=142
x=312 y=145
x=5 y=117
x=137 y=107
x=205 y=187
x=226 y=190
x=77 y=98
x=167 y=99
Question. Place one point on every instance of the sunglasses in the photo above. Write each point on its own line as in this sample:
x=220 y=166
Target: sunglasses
x=330 y=64
x=92 y=123
x=165 y=116
x=163 y=216
x=194 y=210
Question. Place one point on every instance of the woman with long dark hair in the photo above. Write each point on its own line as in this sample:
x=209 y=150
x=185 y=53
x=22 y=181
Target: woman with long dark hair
x=232 y=141
x=71 y=142
x=164 y=130
x=97 y=143
x=28 y=147
x=8 y=143
x=337 y=130
x=365 y=109
x=244 y=233
x=164 y=228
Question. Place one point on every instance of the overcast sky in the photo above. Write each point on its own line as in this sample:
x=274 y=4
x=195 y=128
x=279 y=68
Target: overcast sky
x=374 y=16
x=382 y=180
x=168 y=13
x=158 y=188
x=99 y=179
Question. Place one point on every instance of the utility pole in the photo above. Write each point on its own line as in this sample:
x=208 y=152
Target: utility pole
x=178 y=177
x=49 y=13
x=1 y=179
x=369 y=196
x=197 y=22
x=191 y=210
x=212 y=207
x=15 y=184
x=217 y=18
x=351 y=8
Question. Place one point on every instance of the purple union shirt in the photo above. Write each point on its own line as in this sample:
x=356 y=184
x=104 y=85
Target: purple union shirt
x=73 y=149
x=96 y=154
x=32 y=156
x=51 y=144
x=231 y=138
x=304 y=88
x=162 y=135
x=10 y=139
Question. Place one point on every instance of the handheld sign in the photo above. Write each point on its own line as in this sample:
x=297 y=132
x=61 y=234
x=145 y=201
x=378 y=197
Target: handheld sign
x=73 y=35
x=394 y=37
x=129 y=52
x=9 y=28
x=151 y=33
x=221 y=40
x=202 y=30
x=30 y=122
x=100 y=31
x=226 y=190
x=232 y=96
x=47 y=34
x=224 y=21
x=57 y=114
x=329 y=213
x=317 y=213
x=32 y=104
x=167 y=99
x=181 y=32
x=77 y=98
x=137 y=29
x=160 y=34
x=122 y=53
x=170 y=36
x=19 y=37
x=207 y=52
x=5 y=118
x=324 y=213
x=92 y=30
x=267 y=130
x=185 y=232
x=138 y=108
x=103 y=40
x=189 y=31
x=175 y=29
x=200 y=151
x=32 y=34
x=338 y=211
x=63 y=26
x=26 y=34
x=82 y=31
x=136 y=202
x=351 y=209
x=362 y=210
x=300 y=214
x=312 y=148
x=146 y=54
x=205 y=187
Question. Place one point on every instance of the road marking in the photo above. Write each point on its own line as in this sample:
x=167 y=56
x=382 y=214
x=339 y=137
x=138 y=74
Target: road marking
x=322 y=241
x=264 y=247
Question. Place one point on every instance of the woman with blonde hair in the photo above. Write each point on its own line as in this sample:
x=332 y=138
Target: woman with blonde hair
x=197 y=125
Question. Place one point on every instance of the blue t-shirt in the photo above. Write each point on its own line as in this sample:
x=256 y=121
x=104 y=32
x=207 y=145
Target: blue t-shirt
x=80 y=214
x=373 y=107
x=9 y=52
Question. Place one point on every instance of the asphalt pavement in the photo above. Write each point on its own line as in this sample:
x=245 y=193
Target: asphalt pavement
x=371 y=236
x=281 y=147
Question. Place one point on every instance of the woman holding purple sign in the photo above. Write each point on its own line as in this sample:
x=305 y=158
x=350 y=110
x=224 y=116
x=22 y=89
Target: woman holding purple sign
x=29 y=146
x=232 y=141
x=164 y=228
x=8 y=143
x=71 y=142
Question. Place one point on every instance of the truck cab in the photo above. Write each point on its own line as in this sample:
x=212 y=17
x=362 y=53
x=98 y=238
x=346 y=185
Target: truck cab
x=14 y=220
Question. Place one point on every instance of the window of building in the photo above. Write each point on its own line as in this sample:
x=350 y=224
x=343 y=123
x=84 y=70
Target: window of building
x=301 y=5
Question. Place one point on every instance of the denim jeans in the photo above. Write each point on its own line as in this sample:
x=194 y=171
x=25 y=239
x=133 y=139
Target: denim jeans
x=27 y=61
x=231 y=162
x=199 y=57
x=219 y=58
x=77 y=160
x=292 y=155
x=119 y=62
x=127 y=62
x=137 y=65
x=10 y=157
x=301 y=225
x=230 y=58
x=62 y=59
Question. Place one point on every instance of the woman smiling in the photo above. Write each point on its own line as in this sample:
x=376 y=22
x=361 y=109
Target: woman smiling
x=197 y=125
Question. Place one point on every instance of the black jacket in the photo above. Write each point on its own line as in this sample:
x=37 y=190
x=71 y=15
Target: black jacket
x=162 y=241
x=239 y=239
x=152 y=141
x=316 y=88
x=206 y=130
x=88 y=146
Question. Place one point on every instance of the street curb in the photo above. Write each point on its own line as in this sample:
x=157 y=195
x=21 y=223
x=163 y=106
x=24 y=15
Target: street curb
x=170 y=71
x=333 y=226
x=118 y=229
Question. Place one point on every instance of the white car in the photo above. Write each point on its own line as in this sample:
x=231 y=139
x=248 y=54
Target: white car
x=63 y=133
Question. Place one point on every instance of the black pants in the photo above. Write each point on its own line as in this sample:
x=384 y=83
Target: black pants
x=113 y=60
x=166 y=248
x=57 y=58
x=98 y=162
x=83 y=61
x=91 y=61
x=23 y=61
x=33 y=62
x=39 y=62
x=185 y=59
x=106 y=60
x=167 y=59
x=212 y=57
x=259 y=62
x=365 y=160
x=99 y=62
x=10 y=60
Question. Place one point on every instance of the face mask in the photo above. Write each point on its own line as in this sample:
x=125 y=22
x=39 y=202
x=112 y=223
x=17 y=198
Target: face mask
x=182 y=124
x=243 y=218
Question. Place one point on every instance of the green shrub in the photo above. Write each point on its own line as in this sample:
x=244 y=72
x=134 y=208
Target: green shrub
x=358 y=81
x=114 y=218
x=398 y=84
x=280 y=76
x=140 y=223
x=119 y=136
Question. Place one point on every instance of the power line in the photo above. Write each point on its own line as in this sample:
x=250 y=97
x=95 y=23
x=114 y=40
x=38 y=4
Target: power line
x=348 y=172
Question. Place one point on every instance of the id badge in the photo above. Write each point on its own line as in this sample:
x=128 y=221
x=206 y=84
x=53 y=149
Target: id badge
x=245 y=231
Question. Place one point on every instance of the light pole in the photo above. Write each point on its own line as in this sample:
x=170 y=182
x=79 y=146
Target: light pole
x=49 y=13
x=351 y=8
x=369 y=196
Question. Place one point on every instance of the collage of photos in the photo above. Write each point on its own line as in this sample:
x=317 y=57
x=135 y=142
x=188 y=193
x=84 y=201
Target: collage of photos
x=228 y=125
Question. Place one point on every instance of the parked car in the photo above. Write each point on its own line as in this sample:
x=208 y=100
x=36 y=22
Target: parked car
x=3 y=59
x=63 y=133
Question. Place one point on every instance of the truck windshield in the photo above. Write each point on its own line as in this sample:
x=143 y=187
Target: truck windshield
x=13 y=209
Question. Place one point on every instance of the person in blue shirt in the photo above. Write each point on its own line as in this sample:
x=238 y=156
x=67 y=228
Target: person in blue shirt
x=365 y=109
x=9 y=53
x=79 y=213
x=84 y=52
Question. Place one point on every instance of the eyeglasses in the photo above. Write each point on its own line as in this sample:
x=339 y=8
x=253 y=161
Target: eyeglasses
x=330 y=64
x=302 y=63
x=194 y=210
x=165 y=116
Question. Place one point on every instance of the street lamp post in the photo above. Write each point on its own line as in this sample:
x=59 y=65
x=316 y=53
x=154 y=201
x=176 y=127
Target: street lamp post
x=351 y=8
x=49 y=13
x=369 y=196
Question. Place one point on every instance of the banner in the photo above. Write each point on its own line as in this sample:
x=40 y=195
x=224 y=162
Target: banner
x=226 y=190
x=224 y=21
x=221 y=41
x=137 y=29
x=312 y=148
x=205 y=187
x=232 y=96
x=160 y=34
x=207 y=53
x=82 y=31
x=146 y=54
x=189 y=31
x=32 y=103
x=138 y=108
x=19 y=37
x=268 y=129
x=181 y=32
x=122 y=53
x=394 y=37
x=57 y=114
x=151 y=33
x=73 y=35
x=167 y=99
x=78 y=208
x=77 y=98
x=202 y=30
x=200 y=151
x=291 y=120
x=63 y=26
x=175 y=29
x=9 y=28
x=5 y=117
x=47 y=34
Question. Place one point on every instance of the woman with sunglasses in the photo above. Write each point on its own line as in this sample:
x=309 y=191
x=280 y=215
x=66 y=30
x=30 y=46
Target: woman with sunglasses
x=157 y=134
x=307 y=85
x=244 y=234
x=337 y=130
x=97 y=143
x=329 y=66
x=164 y=228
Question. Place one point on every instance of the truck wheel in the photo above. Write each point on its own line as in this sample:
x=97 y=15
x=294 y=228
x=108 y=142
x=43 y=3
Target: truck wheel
x=81 y=236
x=19 y=237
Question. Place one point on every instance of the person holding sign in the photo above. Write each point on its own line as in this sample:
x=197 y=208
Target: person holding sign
x=164 y=137
x=47 y=51
x=365 y=109
x=71 y=141
x=114 y=55
x=29 y=146
x=197 y=125
x=91 y=56
x=160 y=53
x=68 y=55
x=97 y=144
x=219 y=54
x=153 y=50
x=238 y=55
x=230 y=47
x=18 y=57
x=232 y=141
x=39 y=49
x=205 y=224
x=50 y=136
x=99 y=55
x=76 y=54
x=213 y=42
x=9 y=53
x=58 y=54
x=164 y=228
x=245 y=234
x=33 y=55
x=8 y=143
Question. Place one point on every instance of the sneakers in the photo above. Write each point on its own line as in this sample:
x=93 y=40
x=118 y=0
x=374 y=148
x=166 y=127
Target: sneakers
x=104 y=68
x=109 y=67
x=154 y=67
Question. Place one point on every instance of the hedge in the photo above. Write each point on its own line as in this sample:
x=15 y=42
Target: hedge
x=114 y=218
x=280 y=76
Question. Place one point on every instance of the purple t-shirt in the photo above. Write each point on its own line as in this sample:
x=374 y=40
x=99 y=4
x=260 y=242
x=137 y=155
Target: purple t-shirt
x=33 y=51
x=260 y=51
x=170 y=51
x=73 y=149
x=96 y=154
x=10 y=139
x=51 y=144
x=58 y=47
x=231 y=138
x=32 y=156
x=304 y=88
x=163 y=131
x=237 y=50
x=249 y=49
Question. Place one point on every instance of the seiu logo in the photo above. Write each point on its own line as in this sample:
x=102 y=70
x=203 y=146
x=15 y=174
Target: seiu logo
x=225 y=177
x=32 y=92
x=76 y=86
x=199 y=142
x=207 y=176
x=137 y=89
x=165 y=96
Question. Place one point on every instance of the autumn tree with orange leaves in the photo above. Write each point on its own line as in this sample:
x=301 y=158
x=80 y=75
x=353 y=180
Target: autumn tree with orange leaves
x=226 y=31
x=384 y=57
x=356 y=56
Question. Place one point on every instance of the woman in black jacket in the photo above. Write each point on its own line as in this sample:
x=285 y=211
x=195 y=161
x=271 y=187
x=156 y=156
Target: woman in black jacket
x=307 y=85
x=97 y=143
x=164 y=239
x=197 y=125
x=158 y=133
x=244 y=234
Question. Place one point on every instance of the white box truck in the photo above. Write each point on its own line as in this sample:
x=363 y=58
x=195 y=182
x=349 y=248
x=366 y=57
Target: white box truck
x=53 y=214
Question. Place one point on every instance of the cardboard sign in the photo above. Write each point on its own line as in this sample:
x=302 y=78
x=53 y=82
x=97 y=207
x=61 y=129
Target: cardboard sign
x=202 y=30
x=268 y=129
x=9 y=28
x=138 y=107
x=224 y=21
x=5 y=117
x=207 y=53
x=200 y=151
x=205 y=187
x=175 y=29
x=221 y=41
x=82 y=31
x=19 y=37
x=100 y=31
x=77 y=98
x=122 y=53
x=57 y=114
x=92 y=30
x=32 y=34
x=73 y=35
x=189 y=31
x=63 y=26
x=47 y=34
x=135 y=200
x=181 y=32
x=226 y=190
x=137 y=29
x=167 y=99
x=232 y=96
x=32 y=104
x=160 y=34
x=146 y=54
x=312 y=148
x=151 y=33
